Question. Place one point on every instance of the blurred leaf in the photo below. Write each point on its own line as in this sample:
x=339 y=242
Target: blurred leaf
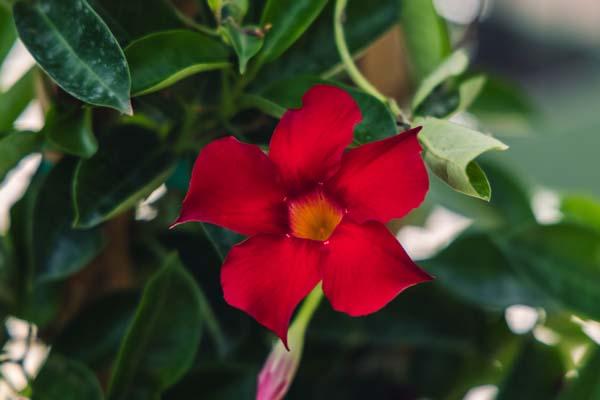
x=94 y=335
x=15 y=146
x=582 y=210
x=222 y=239
x=450 y=150
x=7 y=288
x=216 y=382
x=377 y=123
x=8 y=33
x=64 y=379
x=132 y=19
x=161 y=343
x=288 y=19
x=14 y=101
x=453 y=66
x=537 y=373
x=562 y=261
x=365 y=22
x=129 y=165
x=163 y=58
x=71 y=131
x=474 y=268
x=469 y=90
x=426 y=36
x=244 y=40
x=83 y=57
x=504 y=108
x=586 y=386
x=224 y=9
x=59 y=250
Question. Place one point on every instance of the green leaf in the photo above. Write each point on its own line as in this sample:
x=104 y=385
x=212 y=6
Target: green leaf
x=377 y=123
x=60 y=250
x=74 y=46
x=14 y=101
x=582 y=210
x=70 y=131
x=365 y=22
x=224 y=9
x=94 y=335
x=15 y=146
x=222 y=239
x=64 y=379
x=562 y=261
x=129 y=165
x=288 y=19
x=586 y=386
x=449 y=150
x=163 y=58
x=536 y=374
x=469 y=90
x=161 y=343
x=474 y=268
x=8 y=33
x=453 y=66
x=426 y=36
x=245 y=41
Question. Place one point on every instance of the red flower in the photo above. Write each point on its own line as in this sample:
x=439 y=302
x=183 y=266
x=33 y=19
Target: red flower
x=313 y=212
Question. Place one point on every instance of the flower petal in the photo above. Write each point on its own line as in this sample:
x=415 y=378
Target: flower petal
x=308 y=143
x=236 y=186
x=268 y=275
x=364 y=268
x=382 y=180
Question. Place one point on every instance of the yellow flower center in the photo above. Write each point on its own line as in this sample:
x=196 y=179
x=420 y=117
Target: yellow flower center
x=314 y=217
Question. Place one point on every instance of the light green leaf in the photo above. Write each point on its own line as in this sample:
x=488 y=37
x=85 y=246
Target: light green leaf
x=71 y=131
x=581 y=209
x=562 y=261
x=8 y=33
x=64 y=379
x=450 y=150
x=426 y=36
x=60 y=250
x=586 y=386
x=468 y=90
x=161 y=343
x=245 y=41
x=74 y=46
x=224 y=9
x=14 y=101
x=129 y=165
x=453 y=66
x=288 y=20
x=163 y=58
x=15 y=146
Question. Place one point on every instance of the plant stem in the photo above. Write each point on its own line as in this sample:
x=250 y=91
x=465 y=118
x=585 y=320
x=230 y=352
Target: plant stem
x=189 y=22
x=309 y=306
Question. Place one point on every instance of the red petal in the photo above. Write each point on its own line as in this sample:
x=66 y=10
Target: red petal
x=382 y=180
x=268 y=275
x=308 y=143
x=364 y=268
x=236 y=186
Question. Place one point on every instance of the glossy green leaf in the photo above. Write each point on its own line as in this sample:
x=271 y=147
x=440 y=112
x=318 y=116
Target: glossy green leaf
x=586 y=386
x=94 y=335
x=129 y=165
x=182 y=53
x=562 y=261
x=450 y=150
x=288 y=20
x=536 y=374
x=14 y=101
x=15 y=146
x=474 y=268
x=245 y=41
x=365 y=22
x=8 y=33
x=60 y=250
x=64 y=379
x=70 y=131
x=581 y=209
x=224 y=9
x=75 y=47
x=377 y=123
x=161 y=343
x=426 y=36
x=453 y=66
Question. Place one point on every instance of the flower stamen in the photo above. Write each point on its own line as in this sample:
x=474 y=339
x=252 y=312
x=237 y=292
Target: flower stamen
x=314 y=217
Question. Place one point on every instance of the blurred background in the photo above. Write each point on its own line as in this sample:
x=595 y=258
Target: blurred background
x=550 y=52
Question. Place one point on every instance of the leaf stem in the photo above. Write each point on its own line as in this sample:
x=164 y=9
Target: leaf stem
x=189 y=22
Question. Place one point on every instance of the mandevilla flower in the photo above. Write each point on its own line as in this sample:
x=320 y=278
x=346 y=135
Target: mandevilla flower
x=314 y=213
